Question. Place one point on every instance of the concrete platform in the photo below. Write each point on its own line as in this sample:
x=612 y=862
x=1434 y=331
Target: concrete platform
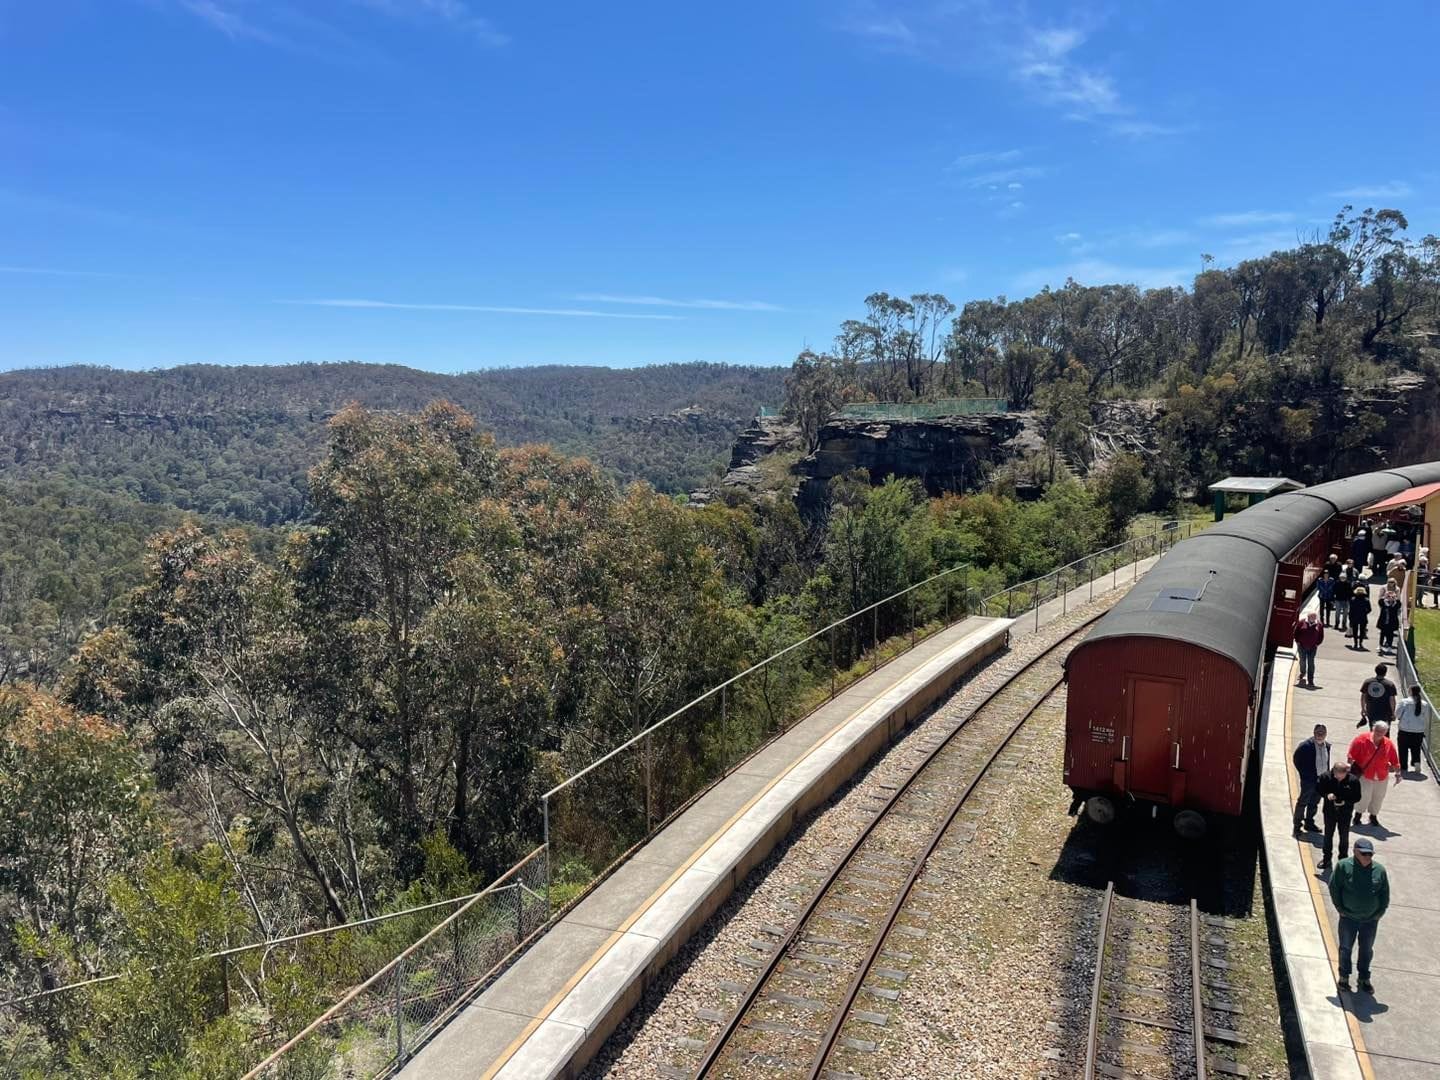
x=551 y=1011
x=1393 y=1034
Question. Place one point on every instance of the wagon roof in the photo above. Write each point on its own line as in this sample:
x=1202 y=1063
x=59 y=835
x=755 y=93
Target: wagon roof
x=1212 y=591
x=1278 y=523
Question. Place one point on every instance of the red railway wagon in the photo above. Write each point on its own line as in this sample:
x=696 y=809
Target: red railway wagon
x=1163 y=691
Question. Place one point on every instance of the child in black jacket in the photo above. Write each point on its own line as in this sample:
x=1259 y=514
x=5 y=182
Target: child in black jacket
x=1339 y=792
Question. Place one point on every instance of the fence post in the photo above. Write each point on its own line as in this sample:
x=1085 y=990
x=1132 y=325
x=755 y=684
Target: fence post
x=399 y=977
x=1064 y=596
x=875 y=638
x=833 y=662
x=725 y=730
x=224 y=986
x=1092 y=577
x=649 y=793
x=912 y=619
x=947 y=601
x=545 y=809
x=519 y=912
x=1134 y=562
x=1009 y=599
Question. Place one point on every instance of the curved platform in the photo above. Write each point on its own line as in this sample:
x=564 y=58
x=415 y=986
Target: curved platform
x=555 y=1007
x=1392 y=1034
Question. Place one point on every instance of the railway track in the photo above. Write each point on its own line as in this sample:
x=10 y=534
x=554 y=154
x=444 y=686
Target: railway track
x=1147 y=1013
x=809 y=996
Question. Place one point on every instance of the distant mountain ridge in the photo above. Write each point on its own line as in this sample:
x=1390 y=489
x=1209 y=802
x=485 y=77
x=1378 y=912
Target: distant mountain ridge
x=237 y=441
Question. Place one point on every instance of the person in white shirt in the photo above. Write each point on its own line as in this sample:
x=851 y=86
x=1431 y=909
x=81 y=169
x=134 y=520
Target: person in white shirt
x=1412 y=718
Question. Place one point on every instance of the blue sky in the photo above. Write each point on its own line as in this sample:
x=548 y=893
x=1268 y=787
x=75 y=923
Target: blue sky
x=454 y=184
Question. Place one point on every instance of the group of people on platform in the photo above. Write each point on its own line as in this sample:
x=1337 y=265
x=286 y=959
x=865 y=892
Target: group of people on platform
x=1344 y=591
x=1356 y=785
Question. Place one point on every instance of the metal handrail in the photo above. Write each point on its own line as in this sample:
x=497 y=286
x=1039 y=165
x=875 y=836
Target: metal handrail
x=254 y=946
x=334 y=1010
x=1170 y=526
x=748 y=671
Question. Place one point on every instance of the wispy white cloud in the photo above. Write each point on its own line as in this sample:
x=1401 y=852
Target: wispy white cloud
x=997 y=178
x=1069 y=238
x=662 y=301
x=1005 y=41
x=984 y=157
x=1103 y=272
x=46 y=271
x=1249 y=245
x=1143 y=129
x=1045 y=65
x=1395 y=189
x=495 y=309
x=456 y=13
x=1248 y=217
x=891 y=32
x=229 y=21
x=279 y=24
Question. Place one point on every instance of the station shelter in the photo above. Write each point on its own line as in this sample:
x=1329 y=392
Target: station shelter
x=1251 y=488
x=1414 y=515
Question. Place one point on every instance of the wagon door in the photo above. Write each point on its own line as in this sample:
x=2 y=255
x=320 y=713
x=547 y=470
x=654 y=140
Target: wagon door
x=1153 y=720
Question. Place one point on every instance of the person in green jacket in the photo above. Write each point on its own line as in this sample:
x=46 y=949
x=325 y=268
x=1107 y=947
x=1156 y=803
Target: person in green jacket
x=1361 y=892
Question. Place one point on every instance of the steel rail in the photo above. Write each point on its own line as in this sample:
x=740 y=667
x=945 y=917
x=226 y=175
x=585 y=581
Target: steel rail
x=757 y=985
x=1092 y=1032
x=1196 y=1000
x=817 y=1063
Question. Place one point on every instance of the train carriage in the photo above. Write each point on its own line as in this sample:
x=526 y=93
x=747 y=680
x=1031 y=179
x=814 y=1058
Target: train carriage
x=1164 y=690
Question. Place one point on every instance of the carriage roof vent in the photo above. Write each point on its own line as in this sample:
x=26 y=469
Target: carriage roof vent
x=1180 y=599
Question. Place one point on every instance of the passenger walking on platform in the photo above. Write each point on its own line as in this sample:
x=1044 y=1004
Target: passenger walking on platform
x=1377 y=697
x=1377 y=548
x=1359 y=616
x=1395 y=571
x=1373 y=756
x=1412 y=718
x=1344 y=589
x=1326 y=588
x=1361 y=893
x=1388 y=621
x=1360 y=546
x=1422 y=578
x=1312 y=762
x=1308 y=636
x=1339 y=794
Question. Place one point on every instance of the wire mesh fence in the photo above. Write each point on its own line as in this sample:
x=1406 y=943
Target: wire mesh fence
x=408 y=971
x=1409 y=676
x=923 y=410
x=374 y=1028
x=593 y=819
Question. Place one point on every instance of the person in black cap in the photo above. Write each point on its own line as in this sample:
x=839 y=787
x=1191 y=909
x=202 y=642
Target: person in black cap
x=1361 y=892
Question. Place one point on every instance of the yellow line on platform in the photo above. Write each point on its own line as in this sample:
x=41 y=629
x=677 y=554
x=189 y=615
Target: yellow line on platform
x=1317 y=898
x=635 y=915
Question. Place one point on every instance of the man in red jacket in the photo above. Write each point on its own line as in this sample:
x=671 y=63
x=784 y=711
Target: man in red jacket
x=1375 y=759
x=1308 y=636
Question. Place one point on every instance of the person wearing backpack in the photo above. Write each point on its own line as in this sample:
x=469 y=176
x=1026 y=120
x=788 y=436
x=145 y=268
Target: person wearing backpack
x=1388 y=621
x=1377 y=698
x=1326 y=588
x=1360 y=616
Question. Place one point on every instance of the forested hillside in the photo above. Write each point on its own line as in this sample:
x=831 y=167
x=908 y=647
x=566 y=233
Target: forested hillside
x=1257 y=366
x=269 y=739
x=237 y=441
